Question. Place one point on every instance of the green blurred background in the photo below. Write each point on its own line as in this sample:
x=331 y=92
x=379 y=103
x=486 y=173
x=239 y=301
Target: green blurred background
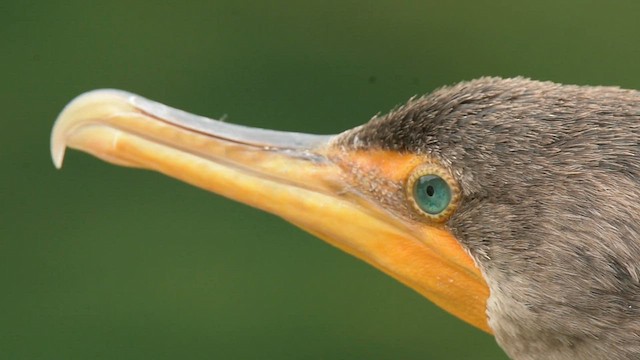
x=102 y=262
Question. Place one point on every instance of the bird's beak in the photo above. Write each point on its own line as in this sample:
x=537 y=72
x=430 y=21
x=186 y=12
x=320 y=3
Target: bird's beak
x=291 y=175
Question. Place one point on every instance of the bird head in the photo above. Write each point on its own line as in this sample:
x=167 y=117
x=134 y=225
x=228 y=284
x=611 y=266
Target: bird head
x=510 y=203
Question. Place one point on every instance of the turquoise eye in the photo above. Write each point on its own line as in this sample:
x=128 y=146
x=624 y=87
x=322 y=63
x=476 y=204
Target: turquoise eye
x=432 y=194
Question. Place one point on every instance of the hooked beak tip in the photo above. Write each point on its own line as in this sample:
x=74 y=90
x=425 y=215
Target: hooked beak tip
x=89 y=105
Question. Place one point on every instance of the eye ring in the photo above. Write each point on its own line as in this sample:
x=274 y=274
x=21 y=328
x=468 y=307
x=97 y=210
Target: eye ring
x=433 y=192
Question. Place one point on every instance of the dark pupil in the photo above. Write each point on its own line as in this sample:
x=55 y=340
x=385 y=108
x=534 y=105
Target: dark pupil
x=430 y=190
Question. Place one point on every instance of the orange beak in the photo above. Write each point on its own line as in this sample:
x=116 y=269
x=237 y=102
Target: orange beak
x=292 y=175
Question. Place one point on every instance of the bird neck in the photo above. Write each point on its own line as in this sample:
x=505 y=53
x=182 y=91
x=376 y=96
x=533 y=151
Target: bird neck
x=526 y=333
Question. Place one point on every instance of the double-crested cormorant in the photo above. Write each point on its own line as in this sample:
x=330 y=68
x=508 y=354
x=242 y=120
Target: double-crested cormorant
x=513 y=204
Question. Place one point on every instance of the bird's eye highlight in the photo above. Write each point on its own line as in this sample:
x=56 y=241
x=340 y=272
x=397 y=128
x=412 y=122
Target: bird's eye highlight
x=433 y=192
